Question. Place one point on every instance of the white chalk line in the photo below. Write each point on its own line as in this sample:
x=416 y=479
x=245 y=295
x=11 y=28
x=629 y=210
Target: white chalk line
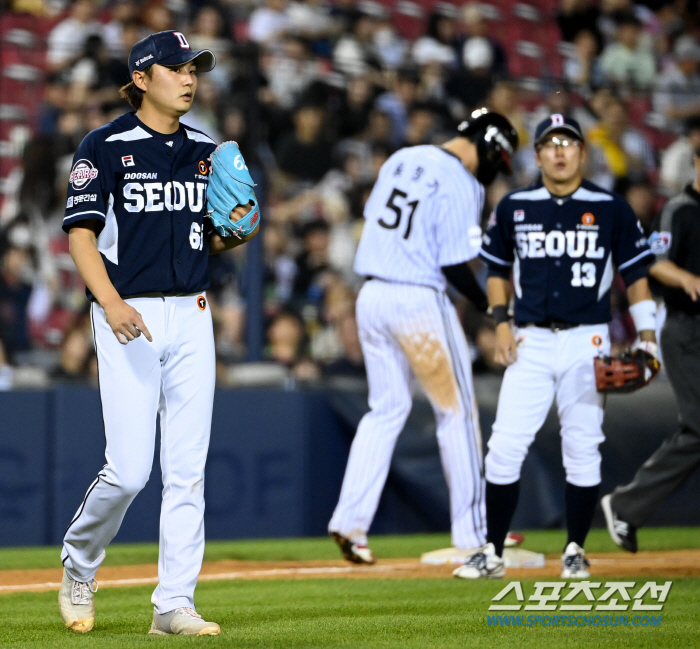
x=223 y=576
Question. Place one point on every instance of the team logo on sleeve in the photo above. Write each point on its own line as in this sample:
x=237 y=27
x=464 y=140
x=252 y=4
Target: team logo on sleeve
x=519 y=215
x=202 y=303
x=588 y=219
x=128 y=160
x=660 y=242
x=82 y=174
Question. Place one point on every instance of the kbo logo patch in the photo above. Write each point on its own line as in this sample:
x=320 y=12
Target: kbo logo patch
x=82 y=174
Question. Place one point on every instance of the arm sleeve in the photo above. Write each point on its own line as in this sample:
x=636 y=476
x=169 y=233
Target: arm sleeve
x=458 y=230
x=630 y=249
x=497 y=244
x=665 y=238
x=462 y=278
x=87 y=197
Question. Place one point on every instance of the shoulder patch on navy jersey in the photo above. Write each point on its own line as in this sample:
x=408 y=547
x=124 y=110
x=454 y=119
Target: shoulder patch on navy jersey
x=136 y=133
x=660 y=242
x=539 y=194
x=82 y=174
x=583 y=194
x=198 y=137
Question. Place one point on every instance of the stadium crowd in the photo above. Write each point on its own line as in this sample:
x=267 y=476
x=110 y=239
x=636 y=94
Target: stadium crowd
x=318 y=94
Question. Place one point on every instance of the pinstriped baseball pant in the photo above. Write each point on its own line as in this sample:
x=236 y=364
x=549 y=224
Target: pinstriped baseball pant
x=410 y=332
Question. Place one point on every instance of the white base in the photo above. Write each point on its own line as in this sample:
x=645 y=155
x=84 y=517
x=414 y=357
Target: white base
x=513 y=557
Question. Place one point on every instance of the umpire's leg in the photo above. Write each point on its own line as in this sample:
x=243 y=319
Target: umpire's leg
x=679 y=456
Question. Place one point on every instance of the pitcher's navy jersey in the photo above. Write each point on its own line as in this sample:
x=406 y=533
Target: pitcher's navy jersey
x=562 y=251
x=149 y=190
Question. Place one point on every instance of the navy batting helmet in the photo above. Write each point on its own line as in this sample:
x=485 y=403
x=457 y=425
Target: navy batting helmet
x=495 y=139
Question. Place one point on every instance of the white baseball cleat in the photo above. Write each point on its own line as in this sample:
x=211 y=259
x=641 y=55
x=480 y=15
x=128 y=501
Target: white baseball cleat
x=182 y=621
x=354 y=552
x=483 y=564
x=574 y=564
x=76 y=602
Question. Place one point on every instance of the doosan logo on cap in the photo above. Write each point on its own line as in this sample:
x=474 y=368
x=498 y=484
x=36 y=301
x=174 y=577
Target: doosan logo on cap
x=170 y=49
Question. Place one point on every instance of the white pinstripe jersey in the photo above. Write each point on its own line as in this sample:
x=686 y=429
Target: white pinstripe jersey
x=423 y=214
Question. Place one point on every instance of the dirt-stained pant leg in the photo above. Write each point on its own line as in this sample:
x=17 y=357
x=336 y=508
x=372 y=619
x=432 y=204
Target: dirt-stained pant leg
x=389 y=377
x=411 y=330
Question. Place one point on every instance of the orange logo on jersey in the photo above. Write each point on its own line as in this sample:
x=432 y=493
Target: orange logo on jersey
x=202 y=302
x=597 y=341
x=203 y=169
x=588 y=219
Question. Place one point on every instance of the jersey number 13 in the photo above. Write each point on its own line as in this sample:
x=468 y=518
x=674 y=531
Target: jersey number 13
x=398 y=211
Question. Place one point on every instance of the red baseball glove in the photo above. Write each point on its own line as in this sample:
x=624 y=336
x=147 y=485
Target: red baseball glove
x=633 y=369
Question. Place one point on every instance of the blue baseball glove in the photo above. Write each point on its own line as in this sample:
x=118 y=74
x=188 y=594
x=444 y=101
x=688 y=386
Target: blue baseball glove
x=230 y=185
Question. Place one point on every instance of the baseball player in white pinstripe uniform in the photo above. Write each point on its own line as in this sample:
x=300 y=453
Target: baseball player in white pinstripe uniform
x=421 y=230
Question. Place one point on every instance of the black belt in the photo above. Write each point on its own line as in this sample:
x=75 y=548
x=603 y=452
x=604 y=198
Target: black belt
x=161 y=295
x=553 y=325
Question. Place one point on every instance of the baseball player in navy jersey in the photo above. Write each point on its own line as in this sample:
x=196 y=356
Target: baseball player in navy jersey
x=561 y=240
x=135 y=221
x=421 y=230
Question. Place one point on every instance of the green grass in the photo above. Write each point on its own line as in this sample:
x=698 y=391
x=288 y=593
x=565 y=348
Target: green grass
x=412 y=545
x=338 y=613
x=357 y=613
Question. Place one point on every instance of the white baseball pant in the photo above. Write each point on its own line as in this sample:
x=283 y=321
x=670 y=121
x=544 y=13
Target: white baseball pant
x=551 y=364
x=412 y=332
x=172 y=377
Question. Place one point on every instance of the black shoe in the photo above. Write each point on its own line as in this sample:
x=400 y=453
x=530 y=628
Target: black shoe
x=624 y=534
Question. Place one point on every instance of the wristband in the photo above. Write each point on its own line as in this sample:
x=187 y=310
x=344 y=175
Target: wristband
x=644 y=315
x=500 y=313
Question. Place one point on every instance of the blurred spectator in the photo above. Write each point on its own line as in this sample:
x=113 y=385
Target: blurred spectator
x=356 y=52
x=209 y=32
x=626 y=152
x=677 y=90
x=290 y=71
x=559 y=100
x=312 y=262
x=628 y=61
x=440 y=43
x=131 y=33
x=677 y=169
x=157 y=16
x=91 y=76
x=122 y=13
x=471 y=84
x=582 y=65
x=269 y=23
x=576 y=16
x=422 y=124
x=67 y=38
x=312 y=20
x=477 y=25
x=642 y=198
x=396 y=102
x=76 y=354
x=285 y=336
x=351 y=361
x=304 y=154
x=355 y=107
x=280 y=268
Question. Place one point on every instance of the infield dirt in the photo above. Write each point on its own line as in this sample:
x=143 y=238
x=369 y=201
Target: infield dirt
x=672 y=563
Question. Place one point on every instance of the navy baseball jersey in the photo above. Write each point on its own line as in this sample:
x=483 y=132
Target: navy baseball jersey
x=149 y=191
x=562 y=251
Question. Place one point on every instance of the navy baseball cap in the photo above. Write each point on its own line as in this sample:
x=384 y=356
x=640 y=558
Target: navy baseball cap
x=168 y=48
x=560 y=124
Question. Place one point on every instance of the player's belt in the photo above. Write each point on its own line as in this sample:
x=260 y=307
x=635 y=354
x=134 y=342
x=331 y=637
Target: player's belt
x=554 y=325
x=160 y=295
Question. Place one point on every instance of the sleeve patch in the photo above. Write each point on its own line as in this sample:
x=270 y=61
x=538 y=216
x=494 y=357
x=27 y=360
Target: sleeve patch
x=660 y=242
x=474 y=234
x=82 y=174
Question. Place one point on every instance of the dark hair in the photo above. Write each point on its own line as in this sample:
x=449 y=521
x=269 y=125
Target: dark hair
x=132 y=93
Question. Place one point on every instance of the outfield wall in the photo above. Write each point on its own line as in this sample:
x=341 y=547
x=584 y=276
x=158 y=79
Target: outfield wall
x=277 y=459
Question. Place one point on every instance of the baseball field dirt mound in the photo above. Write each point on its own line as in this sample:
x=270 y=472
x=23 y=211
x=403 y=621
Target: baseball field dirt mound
x=674 y=563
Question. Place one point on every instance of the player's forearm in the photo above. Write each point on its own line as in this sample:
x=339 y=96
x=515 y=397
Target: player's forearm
x=90 y=265
x=643 y=309
x=498 y=290
x=669 y=274
x=220 y=244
